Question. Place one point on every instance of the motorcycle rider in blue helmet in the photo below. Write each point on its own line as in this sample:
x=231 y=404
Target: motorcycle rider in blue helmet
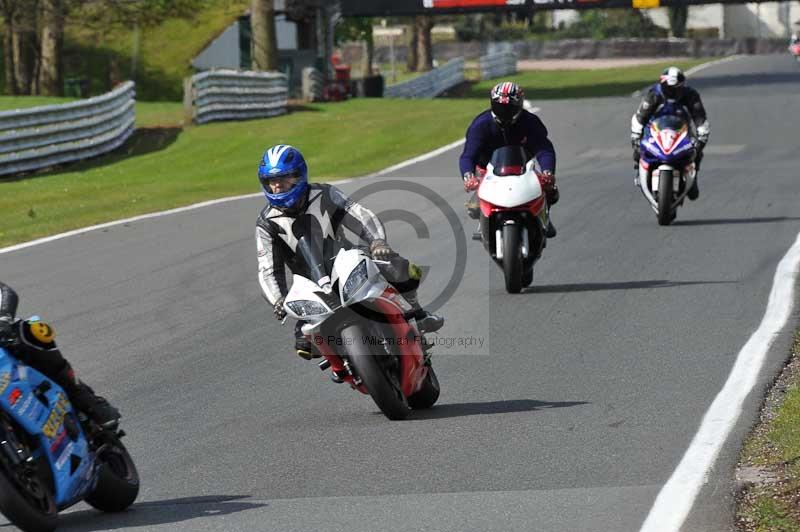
x=32 y=342
x=283 y=175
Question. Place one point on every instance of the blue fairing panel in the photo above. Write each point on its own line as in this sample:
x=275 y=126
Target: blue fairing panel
x=43 y=418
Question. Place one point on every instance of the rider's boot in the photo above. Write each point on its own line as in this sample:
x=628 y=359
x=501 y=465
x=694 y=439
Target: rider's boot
x=550 y=231
x=694 y=192
x=302 y=346
x=83 y=398
x=473 y=206
x=552 y=198
x=426 y=321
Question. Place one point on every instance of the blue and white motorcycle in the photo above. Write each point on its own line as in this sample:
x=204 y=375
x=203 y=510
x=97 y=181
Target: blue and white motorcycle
x=666 y=164
x=51 y=456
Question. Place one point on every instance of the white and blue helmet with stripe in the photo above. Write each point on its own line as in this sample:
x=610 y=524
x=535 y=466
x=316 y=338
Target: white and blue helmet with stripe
x=283 y=161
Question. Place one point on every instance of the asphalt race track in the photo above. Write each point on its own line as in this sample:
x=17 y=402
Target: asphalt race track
x=563 y=408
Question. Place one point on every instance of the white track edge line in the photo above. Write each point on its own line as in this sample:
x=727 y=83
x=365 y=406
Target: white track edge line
x=676 y=498
x=209 y=203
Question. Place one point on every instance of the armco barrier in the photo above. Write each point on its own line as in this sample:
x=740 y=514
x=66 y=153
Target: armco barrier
x=430 y=84
x=237 y=95
x=497 y=65
x=39 y=137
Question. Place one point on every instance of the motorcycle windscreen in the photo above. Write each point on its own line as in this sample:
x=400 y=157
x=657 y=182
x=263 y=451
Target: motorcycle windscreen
x=675 y=123
x=509 y=160
x=315 y=249
x=308 y=231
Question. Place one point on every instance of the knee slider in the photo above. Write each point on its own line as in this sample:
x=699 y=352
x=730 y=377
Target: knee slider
x=414 y=272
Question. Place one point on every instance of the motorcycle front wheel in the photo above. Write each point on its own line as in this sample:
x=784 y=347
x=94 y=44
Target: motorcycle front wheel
x=665 y=212
x=377 y=369
x=512 y=259
x=25 y=498
x=118 y=480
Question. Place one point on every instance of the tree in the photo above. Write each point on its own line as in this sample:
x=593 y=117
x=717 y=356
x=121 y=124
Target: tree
x=264 y=37
x=20 y=18
x=304 y=14
x=678 y=16
x=358 y=29
x=8 y=9
x=424 y=43
x=34 y=33
x=51 y=76
x=412 y=61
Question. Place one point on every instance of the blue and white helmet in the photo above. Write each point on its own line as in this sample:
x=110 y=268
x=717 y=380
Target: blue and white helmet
x=283 y=161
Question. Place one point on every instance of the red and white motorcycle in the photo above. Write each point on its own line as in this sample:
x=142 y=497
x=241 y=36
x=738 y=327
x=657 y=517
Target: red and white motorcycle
x=794 y=49
x=362 y=326
x=514 y=215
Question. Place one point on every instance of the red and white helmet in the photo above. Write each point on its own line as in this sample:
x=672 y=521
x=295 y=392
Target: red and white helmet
x=507 y=100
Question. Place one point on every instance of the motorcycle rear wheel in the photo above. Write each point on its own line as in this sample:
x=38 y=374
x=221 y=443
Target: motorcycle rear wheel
x=665 y=212
x=30 y=505
x=371 y=364
x=118 y=480
x=512 y=259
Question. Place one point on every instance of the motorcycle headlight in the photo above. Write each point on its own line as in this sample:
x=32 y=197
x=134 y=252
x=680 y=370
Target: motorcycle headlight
x=356 y=280
x=306 y=307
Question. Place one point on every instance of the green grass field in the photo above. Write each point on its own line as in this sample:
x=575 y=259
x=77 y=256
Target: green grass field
x=560 y=84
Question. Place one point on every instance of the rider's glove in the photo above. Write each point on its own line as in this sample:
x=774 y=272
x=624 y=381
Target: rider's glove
x=548 y=180
x=470 y=182
x=278 y=309
x=380 y=250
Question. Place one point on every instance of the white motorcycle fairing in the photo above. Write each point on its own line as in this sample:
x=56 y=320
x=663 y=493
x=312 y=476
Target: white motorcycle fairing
x=359 y=281
x=512 y=190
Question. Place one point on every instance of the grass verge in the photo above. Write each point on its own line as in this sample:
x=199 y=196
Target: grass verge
x=559 y=84
x=769 y=468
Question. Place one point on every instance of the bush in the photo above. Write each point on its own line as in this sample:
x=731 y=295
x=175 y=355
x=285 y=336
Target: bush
x=612 y=23
x=592 y=24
